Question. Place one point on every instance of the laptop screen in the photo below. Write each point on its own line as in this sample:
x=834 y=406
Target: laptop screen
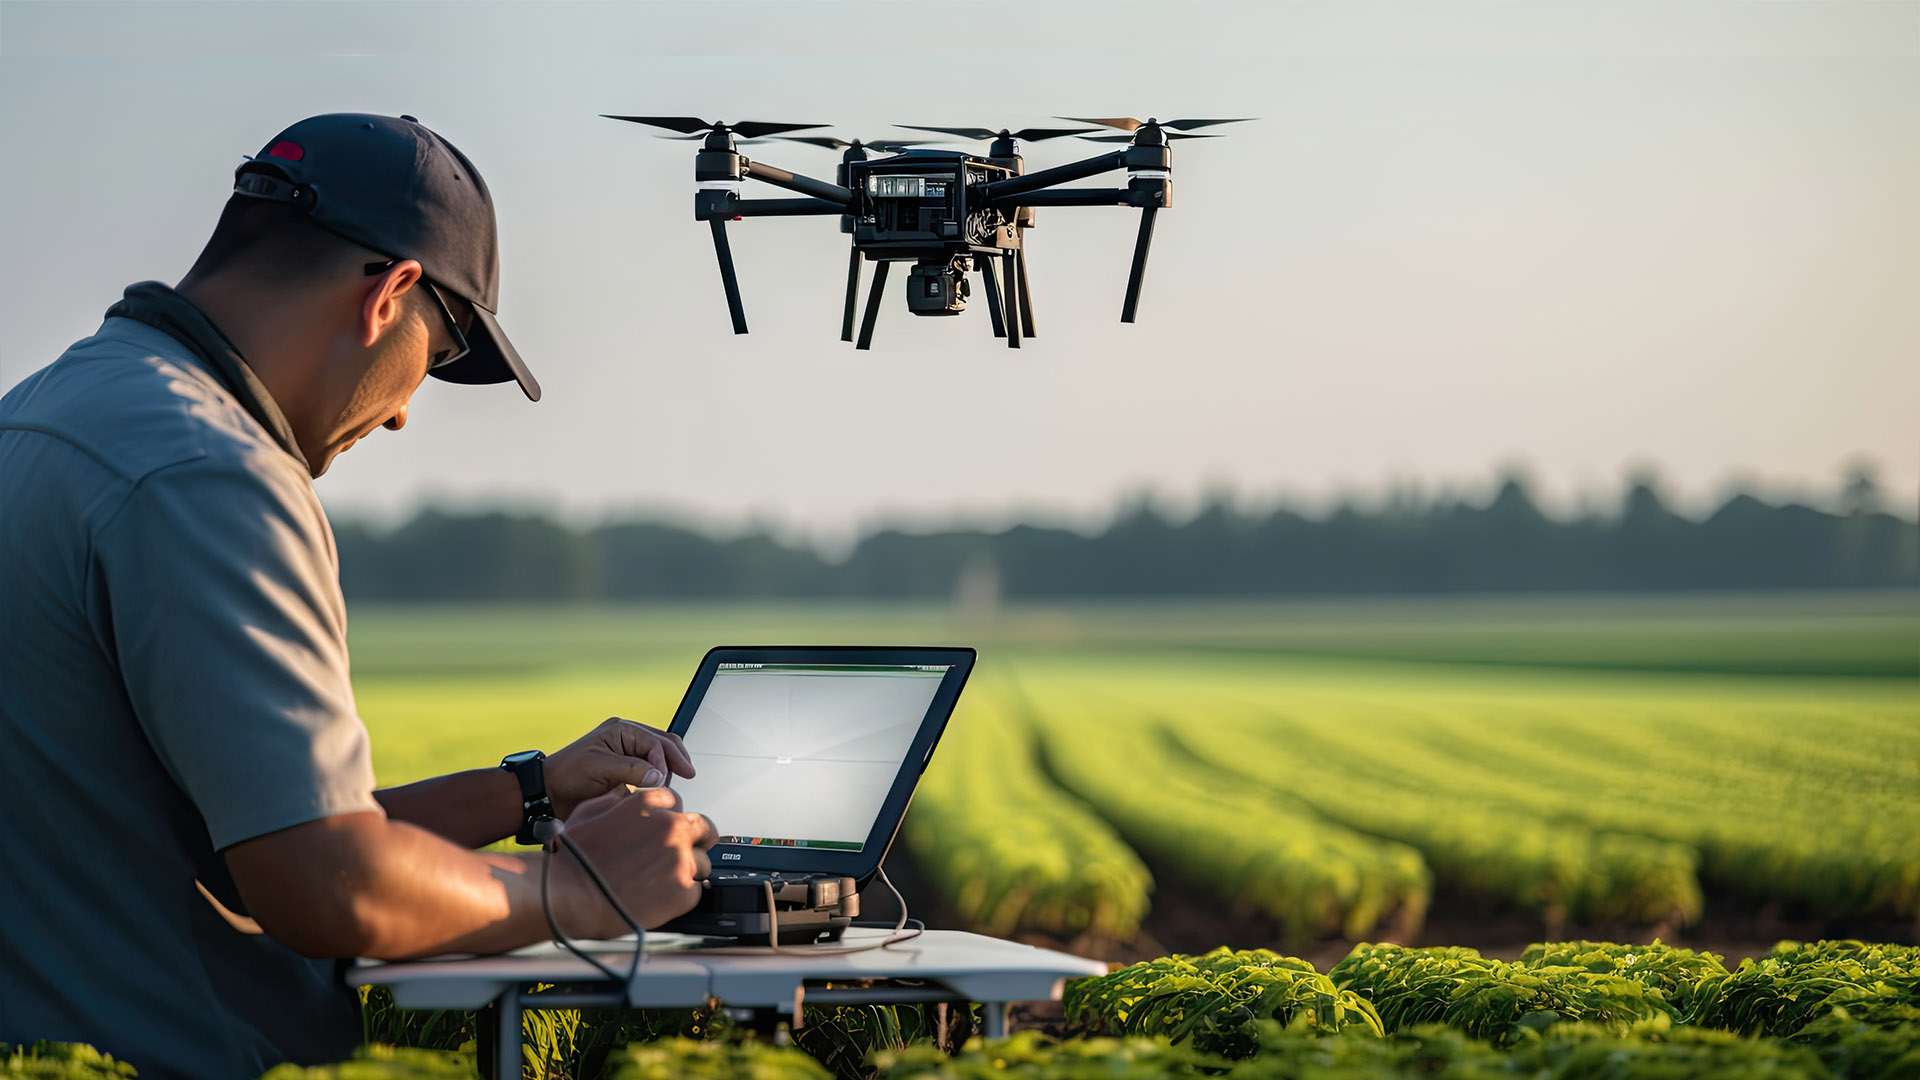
x=803 y=755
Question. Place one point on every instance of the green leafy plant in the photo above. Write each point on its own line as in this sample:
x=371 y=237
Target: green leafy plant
x=1656 y=1049
x=1030 y=1054
x=379 y=1062
x=1489 y=998
x=1295 y=1052
x=1677 y=973
x=1797 y=984
x=59 y=1061
x=843 y=1037
x=1215 y=1000
x=686 y=1059
x=1863 y=1051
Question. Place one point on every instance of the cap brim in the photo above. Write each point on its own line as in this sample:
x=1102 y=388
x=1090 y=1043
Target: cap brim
x=491 y=358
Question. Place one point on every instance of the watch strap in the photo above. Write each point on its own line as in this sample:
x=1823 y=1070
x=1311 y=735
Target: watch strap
x=535 y=805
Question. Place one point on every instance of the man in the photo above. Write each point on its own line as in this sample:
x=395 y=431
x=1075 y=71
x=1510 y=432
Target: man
x=194 y=835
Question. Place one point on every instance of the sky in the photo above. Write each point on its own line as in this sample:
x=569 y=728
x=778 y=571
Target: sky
x=1582 y=239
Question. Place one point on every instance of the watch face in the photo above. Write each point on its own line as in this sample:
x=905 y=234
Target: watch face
x=522 y=757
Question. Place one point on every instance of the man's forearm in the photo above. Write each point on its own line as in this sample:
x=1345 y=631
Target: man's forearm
x=472 y=808
x=432 y=899
x=361 y=885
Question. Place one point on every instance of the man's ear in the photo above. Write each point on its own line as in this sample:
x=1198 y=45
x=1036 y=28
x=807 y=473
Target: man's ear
x=384 y=302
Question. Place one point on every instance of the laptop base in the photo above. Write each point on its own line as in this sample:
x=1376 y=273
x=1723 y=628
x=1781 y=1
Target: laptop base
x=796 y=927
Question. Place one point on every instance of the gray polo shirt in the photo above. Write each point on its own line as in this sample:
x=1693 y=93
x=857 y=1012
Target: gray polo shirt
x=173 y=680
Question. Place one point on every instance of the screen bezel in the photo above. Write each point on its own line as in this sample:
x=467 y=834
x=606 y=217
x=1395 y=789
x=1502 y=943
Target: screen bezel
x=856 y=864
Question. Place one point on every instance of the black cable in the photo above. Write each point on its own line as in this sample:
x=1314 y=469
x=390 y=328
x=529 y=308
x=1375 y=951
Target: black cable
x=551 y=834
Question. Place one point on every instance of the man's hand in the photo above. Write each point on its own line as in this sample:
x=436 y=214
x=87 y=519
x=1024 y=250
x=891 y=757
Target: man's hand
x=618 y=752
x=653 y=857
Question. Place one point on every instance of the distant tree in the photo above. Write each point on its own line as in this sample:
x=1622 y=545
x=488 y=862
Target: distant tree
x=1448 y=545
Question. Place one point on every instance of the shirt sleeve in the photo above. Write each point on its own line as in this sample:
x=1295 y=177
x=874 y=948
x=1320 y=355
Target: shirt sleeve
x=229 y=630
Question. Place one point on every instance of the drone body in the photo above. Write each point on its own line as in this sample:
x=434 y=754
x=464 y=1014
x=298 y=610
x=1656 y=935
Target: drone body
x=947 y=213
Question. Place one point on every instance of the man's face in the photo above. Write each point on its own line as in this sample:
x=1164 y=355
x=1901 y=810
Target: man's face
x=393 y=368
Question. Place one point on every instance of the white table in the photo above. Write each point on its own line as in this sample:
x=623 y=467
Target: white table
x=955 y=966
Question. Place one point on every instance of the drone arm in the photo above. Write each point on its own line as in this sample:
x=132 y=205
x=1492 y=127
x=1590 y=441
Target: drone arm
x=1059 y=174
x=805 y=185
x=1071 y=197
x=782 y=208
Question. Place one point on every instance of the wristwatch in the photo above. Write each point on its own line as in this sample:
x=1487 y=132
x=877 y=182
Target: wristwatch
x=535 y=806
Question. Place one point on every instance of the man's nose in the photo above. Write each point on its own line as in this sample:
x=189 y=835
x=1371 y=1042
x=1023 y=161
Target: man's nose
x=397 y=421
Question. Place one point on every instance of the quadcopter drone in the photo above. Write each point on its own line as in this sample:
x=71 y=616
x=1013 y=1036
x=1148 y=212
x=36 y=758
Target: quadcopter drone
x=944 y=211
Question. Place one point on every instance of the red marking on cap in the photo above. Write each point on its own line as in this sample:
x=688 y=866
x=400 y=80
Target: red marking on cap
x=289 y=150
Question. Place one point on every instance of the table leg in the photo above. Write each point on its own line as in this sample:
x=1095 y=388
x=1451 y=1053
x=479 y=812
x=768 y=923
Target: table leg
x=506 y=1038
x=996 y=1016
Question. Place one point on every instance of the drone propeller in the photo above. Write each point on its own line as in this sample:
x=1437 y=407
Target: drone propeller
x=1115 y=138
x=1023 y=135
x=884 y=146
x=1128 y=123
x=694 y=126
x=700 y=137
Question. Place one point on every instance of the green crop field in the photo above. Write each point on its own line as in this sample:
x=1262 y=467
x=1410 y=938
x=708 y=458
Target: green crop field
x=1320 y=768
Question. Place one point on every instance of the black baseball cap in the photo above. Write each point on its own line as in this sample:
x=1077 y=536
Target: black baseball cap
x=391 y=184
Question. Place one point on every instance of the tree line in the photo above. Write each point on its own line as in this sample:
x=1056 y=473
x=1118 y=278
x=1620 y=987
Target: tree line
x=1507 y=544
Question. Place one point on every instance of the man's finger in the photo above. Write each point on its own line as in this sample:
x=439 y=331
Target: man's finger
x=663 y=748
x=601 y=803
x=677 y=753
x=633 y=771
x=704 y=834
x=702 y=866
x=663 y=798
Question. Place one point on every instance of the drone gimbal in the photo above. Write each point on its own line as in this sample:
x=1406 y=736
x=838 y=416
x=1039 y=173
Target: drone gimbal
x=944 y=211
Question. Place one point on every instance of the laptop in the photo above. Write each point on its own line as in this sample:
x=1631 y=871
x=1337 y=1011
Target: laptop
x=807 y=757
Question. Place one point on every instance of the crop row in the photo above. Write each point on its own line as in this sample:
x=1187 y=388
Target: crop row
x=1834 y=1010
x=1813 y=992
x=1563 y=1052
x=1604 y=803
x=1010 y=850
x=1566 y=1051
x=1329 y=804
x=1752 y=782
x=1254 y=848
x=1216 y=1000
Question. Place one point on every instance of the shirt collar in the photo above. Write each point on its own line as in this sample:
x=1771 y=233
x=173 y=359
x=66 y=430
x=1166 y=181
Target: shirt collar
x=162 y=308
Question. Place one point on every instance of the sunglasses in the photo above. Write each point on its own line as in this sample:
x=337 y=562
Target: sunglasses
x=440 y=357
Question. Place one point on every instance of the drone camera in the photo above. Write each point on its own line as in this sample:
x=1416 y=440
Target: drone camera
x=936 y=289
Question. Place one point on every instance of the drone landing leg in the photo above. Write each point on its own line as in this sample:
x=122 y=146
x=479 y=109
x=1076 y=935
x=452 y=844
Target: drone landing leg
x=853 y=294
x=1012 y=304
x=1140 y=246
x=727 y=279
x=993 y=296
x=873 y=306
x=1026 y=291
